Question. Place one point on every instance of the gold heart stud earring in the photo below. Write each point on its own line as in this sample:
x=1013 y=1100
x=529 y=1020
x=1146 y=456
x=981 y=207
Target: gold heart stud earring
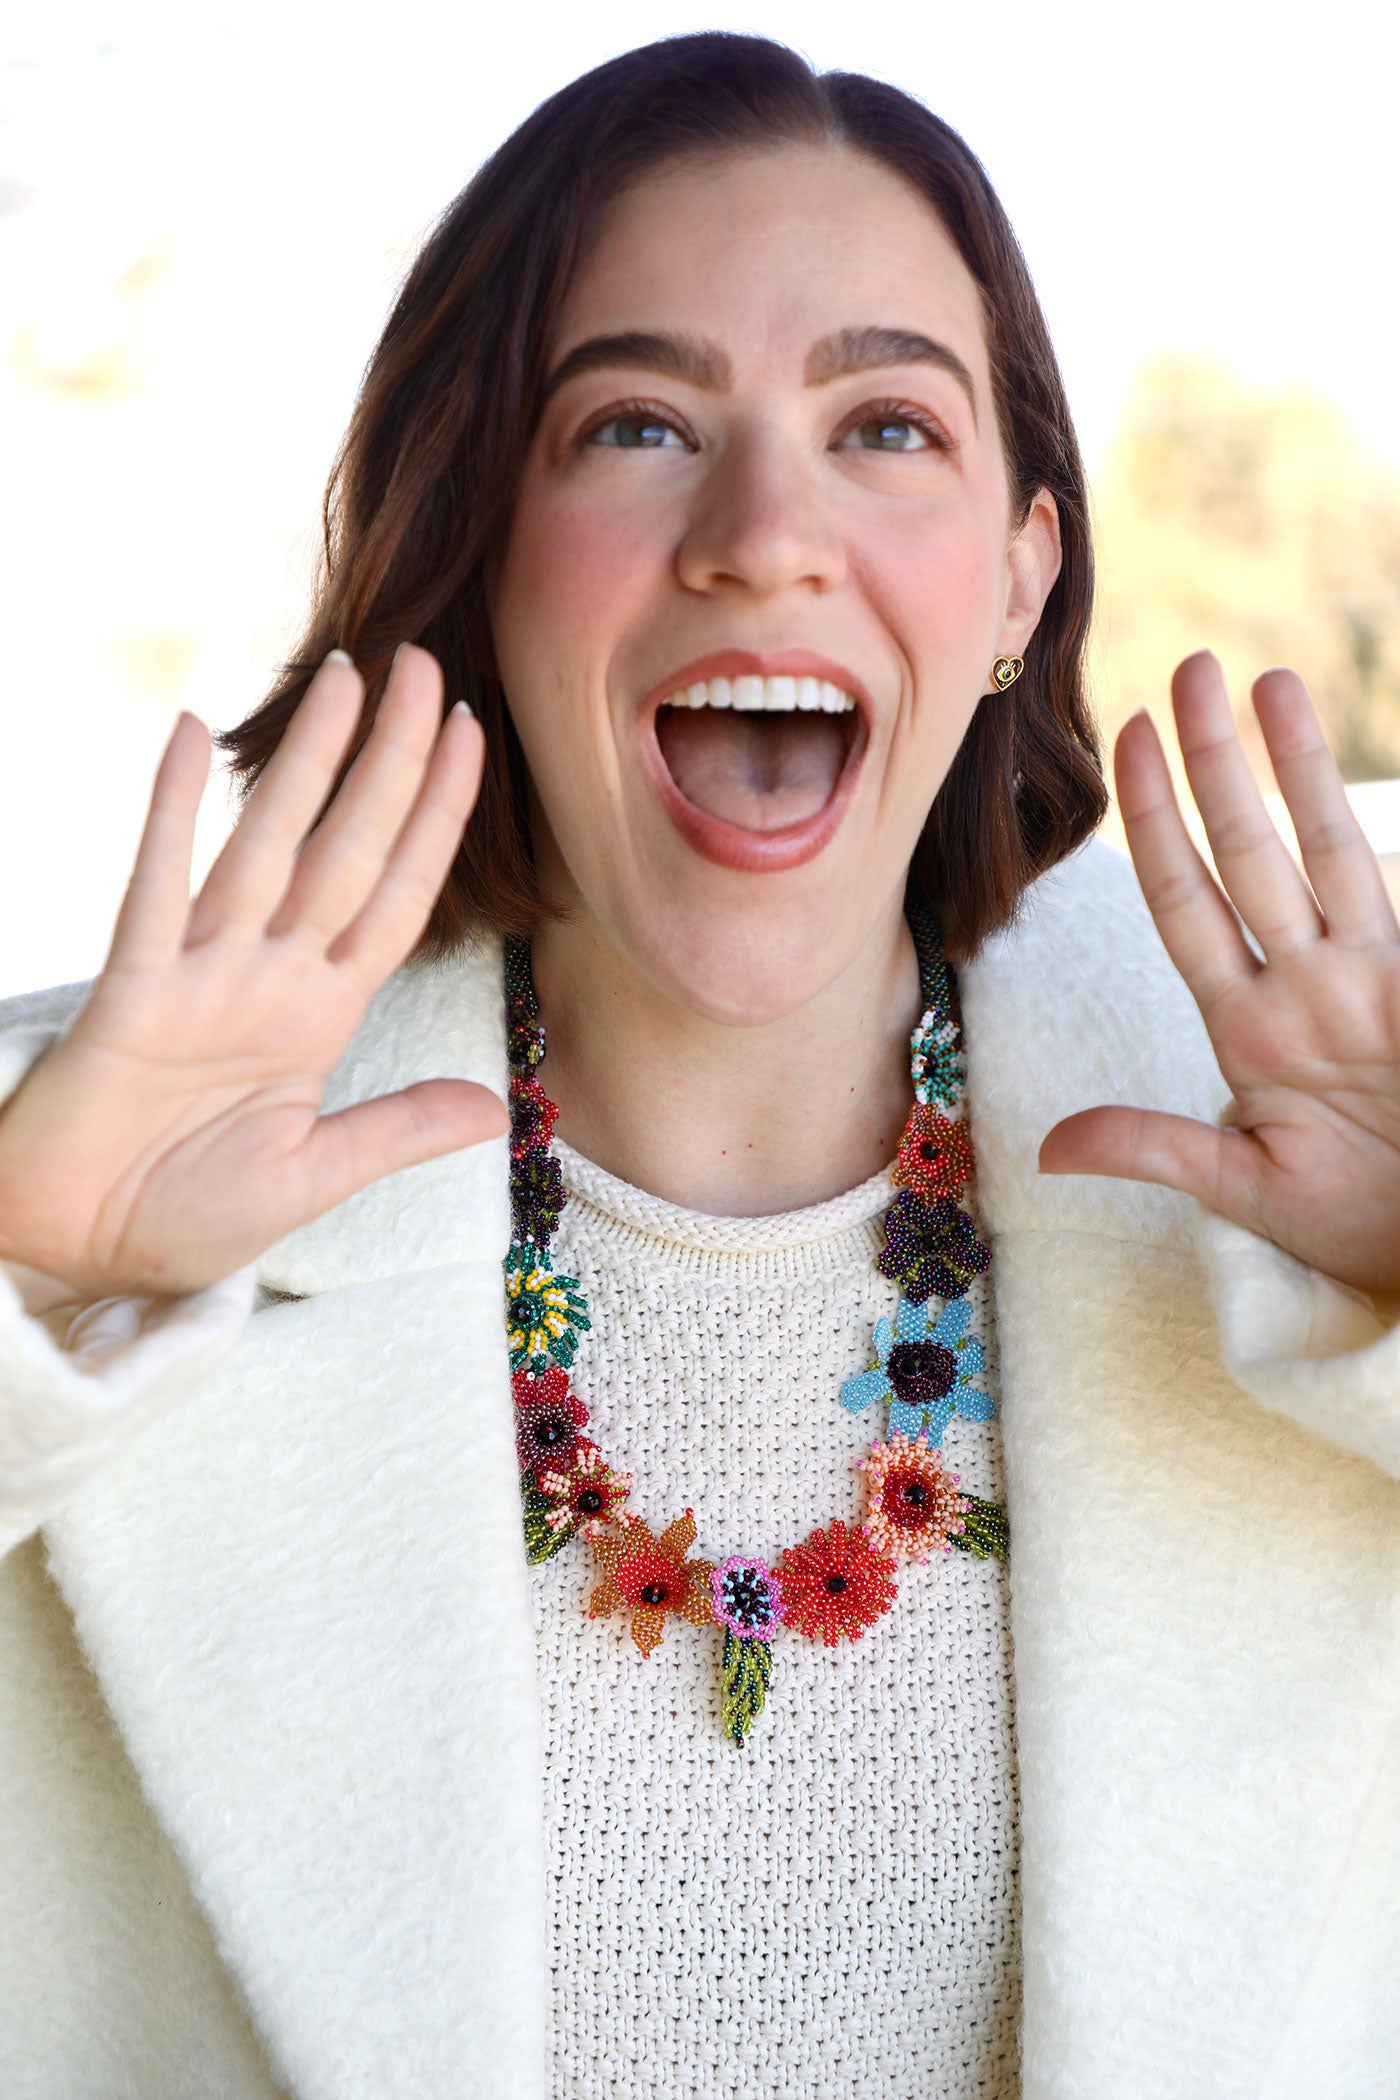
x=1006 y=670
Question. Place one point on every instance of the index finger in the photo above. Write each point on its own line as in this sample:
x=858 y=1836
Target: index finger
x=151 y=917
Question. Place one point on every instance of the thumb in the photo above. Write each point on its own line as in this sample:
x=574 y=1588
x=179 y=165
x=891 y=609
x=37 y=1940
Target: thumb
x=355 y=1146
x=1143 y=1144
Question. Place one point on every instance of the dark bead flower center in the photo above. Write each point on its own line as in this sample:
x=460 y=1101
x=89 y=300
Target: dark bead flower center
x=906 y=1500
x=835 y=1584
x=654 y=1593
x=929 y=1151
x=748 y=1600
x=551 y=1432
x=589 y=1501
x=921 y=1372
x=531 y=1309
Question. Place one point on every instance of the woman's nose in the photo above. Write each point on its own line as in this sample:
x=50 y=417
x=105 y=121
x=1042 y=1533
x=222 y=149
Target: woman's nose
x=759 y=520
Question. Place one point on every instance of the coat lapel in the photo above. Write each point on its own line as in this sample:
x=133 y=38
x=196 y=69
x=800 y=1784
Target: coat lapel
x=305 y=1597
x=1186 y=1568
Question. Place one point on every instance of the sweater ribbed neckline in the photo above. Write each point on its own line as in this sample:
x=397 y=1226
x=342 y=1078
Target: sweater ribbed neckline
x=621 y=1204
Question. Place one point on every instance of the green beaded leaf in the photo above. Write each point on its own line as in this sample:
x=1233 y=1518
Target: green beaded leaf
x=748 y=1665
x=987 y=1536
x=542 y=1540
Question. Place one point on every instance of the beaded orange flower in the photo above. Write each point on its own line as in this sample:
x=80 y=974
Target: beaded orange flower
x=915 y=1507
x=650 y=1577
x=935 y=1156
x=835 y=1587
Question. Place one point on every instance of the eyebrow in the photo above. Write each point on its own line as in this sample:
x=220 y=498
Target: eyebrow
x=690 y=358
x=866 y=349
x=678 y=356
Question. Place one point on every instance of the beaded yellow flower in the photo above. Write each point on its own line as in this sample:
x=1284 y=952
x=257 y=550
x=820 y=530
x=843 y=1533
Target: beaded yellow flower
x=542 y=1311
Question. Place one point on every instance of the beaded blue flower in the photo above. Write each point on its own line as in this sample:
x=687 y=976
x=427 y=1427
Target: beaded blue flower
x=927 y=1370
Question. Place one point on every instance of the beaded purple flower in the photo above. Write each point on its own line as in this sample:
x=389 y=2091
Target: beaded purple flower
x=931 y=1249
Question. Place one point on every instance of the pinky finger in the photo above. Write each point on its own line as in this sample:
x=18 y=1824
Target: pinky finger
x=382 y=933
x=155 y=907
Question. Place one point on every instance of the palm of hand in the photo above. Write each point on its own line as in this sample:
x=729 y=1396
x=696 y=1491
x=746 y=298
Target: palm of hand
x=1308 y=1037
x=174 y=1132
x=218 y=1075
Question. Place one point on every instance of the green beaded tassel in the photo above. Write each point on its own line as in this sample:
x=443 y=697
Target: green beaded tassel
x=747 y=1665
x=986 y=1534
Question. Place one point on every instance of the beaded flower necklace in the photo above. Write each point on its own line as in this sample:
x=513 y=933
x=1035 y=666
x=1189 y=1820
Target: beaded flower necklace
x=836 y=1583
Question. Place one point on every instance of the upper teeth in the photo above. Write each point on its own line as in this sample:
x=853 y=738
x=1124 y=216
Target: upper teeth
x=771 y=695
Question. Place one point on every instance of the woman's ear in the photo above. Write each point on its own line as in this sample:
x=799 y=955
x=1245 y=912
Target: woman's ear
x=1032 y=563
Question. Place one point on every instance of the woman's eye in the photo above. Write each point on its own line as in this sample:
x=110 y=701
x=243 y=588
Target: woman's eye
x=888 y=433
x=633 y=431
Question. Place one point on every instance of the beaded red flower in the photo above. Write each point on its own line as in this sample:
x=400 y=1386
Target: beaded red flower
x=532 y=1116
x=548 y=1418
x=650 y=1577
x=584 y=1496
x=935 y=1156
x=915 y=1507
x=835 y=1588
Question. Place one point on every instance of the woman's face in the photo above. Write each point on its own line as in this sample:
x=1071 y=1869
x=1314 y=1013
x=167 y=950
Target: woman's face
x=768 y=474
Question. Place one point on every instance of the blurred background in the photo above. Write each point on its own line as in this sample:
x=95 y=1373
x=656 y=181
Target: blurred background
x=205 y=213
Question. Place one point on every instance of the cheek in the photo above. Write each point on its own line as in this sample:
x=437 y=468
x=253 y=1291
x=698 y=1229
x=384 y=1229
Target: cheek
x=571 y=576
x=940 y=580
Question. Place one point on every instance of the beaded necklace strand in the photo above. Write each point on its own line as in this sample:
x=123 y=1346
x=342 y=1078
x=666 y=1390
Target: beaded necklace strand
x=836 y=1583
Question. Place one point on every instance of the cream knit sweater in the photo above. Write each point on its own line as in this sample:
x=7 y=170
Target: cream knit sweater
x=831 y=1910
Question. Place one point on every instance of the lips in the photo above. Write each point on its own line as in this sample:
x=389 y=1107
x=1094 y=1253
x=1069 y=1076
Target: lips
x=754 y=787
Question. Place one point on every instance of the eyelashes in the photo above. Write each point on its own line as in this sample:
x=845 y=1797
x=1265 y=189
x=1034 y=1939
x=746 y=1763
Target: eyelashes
x=875 y=414
x=869 y=415
x=637 y=413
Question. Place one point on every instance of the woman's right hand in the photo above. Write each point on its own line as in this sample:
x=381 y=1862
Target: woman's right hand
x=174 y=1133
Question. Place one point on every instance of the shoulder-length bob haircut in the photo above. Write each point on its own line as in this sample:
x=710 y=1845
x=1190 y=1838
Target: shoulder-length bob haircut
x=420 y=493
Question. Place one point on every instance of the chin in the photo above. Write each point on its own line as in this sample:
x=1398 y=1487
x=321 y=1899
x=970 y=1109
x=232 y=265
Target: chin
x=756 y=952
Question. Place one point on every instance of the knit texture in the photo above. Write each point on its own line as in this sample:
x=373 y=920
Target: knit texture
x=830 y=1910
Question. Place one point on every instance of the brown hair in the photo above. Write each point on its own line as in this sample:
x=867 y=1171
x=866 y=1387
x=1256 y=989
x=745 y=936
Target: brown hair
x=421 y=490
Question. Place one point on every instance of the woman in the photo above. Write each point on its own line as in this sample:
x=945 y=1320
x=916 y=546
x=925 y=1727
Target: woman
x=716 y=451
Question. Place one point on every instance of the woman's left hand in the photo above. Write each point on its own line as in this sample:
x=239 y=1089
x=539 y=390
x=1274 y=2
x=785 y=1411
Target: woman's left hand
x=1308 y=1039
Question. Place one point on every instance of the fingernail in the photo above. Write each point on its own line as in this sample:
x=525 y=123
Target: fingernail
x=460 y=708
x=339 y=656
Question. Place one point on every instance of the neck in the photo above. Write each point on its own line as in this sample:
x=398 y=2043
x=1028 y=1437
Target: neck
x=732 y=1121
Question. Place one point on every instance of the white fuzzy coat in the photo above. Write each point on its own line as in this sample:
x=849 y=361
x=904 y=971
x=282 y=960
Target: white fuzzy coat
x=270 y=1768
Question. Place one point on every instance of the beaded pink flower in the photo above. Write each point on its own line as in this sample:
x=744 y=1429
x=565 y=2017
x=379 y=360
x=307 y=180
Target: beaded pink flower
x=748 y=1597
x=586 y=1495
x=915 y=1507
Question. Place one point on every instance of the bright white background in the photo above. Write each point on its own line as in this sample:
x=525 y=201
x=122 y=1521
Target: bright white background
x=205 y=211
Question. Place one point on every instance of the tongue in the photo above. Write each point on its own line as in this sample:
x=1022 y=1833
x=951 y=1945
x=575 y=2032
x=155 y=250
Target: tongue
x=759 y=771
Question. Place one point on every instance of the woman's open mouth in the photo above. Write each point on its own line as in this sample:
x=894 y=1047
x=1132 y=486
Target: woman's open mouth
x=755 y=770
